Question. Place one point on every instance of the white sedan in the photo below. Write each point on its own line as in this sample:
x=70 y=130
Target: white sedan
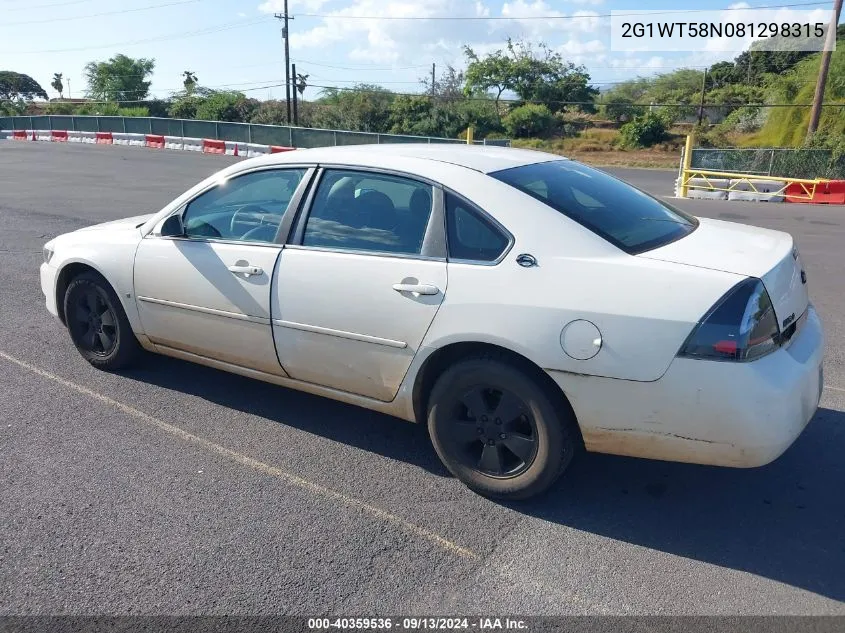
x=521 y=304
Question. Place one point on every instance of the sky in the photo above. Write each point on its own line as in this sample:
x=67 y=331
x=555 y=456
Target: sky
x=237 y=44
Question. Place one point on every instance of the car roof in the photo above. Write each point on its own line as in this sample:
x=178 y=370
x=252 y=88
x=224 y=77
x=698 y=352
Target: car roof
x=482 y=158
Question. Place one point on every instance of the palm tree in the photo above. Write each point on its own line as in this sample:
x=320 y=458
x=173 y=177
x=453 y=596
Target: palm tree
x=189 y=81
x=57 y=84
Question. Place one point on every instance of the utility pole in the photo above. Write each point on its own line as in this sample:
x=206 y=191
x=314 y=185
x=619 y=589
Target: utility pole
x=284 y=17
x=68 y=89
x=433 y=70
x=701 y=103
x=295 y=90
x=824 y=67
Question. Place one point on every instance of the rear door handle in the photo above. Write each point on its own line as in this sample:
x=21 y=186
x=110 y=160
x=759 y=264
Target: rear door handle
x=245 y=270
x=420 y=289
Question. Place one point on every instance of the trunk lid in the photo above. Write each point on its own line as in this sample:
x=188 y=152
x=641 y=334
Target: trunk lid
x=746 y=250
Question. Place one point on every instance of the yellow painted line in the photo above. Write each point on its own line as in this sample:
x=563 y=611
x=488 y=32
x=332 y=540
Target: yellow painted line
x=245 y=460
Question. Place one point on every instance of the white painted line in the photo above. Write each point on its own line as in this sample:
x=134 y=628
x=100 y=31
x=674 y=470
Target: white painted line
x=245 y=460
x=835 y=388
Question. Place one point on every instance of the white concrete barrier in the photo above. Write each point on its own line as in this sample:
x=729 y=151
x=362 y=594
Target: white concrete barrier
x=705 y=192
x=5 y=134
x=43 y=135
x=137 y=140
x=192 y=144
x=173 y=142
x=120 y=138
x=231 y=145
x=256 y=149
x=755 y=190
x=87 y=137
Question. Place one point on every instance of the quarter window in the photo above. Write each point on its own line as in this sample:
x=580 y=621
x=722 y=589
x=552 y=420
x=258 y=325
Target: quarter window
x=369 y=212
x=471 y=236
x=244 y=208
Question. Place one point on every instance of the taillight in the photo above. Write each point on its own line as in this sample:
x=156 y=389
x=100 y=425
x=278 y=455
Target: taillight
x=742 y=326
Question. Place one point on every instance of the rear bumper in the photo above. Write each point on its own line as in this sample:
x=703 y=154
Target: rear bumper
x=706 y=412
x=48 y=287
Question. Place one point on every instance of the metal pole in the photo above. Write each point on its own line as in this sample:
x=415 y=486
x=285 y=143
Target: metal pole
x=284 y=18
x=687 y=164
x=771 y=162
x=824 y=67
x=294 y=90
x=433 y=91
x=701 y=103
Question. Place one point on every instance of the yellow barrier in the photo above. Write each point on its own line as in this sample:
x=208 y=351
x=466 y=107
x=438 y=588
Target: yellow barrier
x=808 y=187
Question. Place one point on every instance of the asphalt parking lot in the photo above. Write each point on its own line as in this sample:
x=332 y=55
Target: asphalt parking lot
x=178 y=489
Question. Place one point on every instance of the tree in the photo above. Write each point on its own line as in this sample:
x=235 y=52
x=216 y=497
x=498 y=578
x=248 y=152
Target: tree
x=449 y=87
x=621 y=109
x=537 y=75
x=121 y=78
x=493 y=72
x=364 y=108
x=19 y=87
x=644 y=131
x=57 y=84
x=529 y=120
x=189 y=81
x=226 y=106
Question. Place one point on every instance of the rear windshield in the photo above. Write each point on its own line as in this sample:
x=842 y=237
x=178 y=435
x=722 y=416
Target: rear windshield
x=626 y=217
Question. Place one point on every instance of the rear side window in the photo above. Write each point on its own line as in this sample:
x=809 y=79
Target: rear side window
x=471 y=236
x=626 y=217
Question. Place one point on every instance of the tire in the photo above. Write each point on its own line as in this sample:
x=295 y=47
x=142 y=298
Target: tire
x=471 y=445
x=97 y=323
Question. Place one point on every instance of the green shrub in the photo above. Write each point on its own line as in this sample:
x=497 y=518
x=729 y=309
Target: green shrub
x=643 y=131
x=530 y=120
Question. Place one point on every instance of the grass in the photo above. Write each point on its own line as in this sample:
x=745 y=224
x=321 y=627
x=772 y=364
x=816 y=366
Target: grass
x=596 y=146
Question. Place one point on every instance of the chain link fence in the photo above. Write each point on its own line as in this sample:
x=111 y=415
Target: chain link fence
x=238 y=132
x=778 y=162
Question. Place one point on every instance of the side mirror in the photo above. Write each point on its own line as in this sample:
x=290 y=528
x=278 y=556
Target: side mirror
x=172 y=227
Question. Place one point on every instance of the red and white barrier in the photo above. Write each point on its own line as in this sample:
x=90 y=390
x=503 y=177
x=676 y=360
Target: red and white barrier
x=153 y=141
x=213 y=146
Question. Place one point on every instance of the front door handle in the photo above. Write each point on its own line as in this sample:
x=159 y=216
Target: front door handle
x=245 y=270
x=420 y=289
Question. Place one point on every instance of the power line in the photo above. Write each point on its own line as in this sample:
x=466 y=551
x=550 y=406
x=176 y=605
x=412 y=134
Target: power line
x=104 y=13
x=306 y=61
x=45 y=6
x=345 y=16
x=162 y=38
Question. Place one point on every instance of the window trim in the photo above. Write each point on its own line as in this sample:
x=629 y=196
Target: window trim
x=434 y=239
x=475 y=208
x=284 y=225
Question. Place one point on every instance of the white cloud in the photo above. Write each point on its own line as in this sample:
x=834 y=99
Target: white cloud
x=527 y=15
x=393 y=40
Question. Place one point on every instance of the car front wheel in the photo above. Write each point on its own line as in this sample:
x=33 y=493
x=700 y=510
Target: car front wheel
x=97 y=323
x=497 y=430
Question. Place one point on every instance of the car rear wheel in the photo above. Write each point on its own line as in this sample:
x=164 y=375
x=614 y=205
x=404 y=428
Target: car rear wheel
x=97 y=323
x=499 y=431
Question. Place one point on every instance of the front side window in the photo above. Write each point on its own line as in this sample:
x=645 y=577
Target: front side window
x=623 y=215
x=369 y=212
x=469 y=235
x=244 y=208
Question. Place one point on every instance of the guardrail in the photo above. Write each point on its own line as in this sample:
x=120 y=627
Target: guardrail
x=282 y=135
